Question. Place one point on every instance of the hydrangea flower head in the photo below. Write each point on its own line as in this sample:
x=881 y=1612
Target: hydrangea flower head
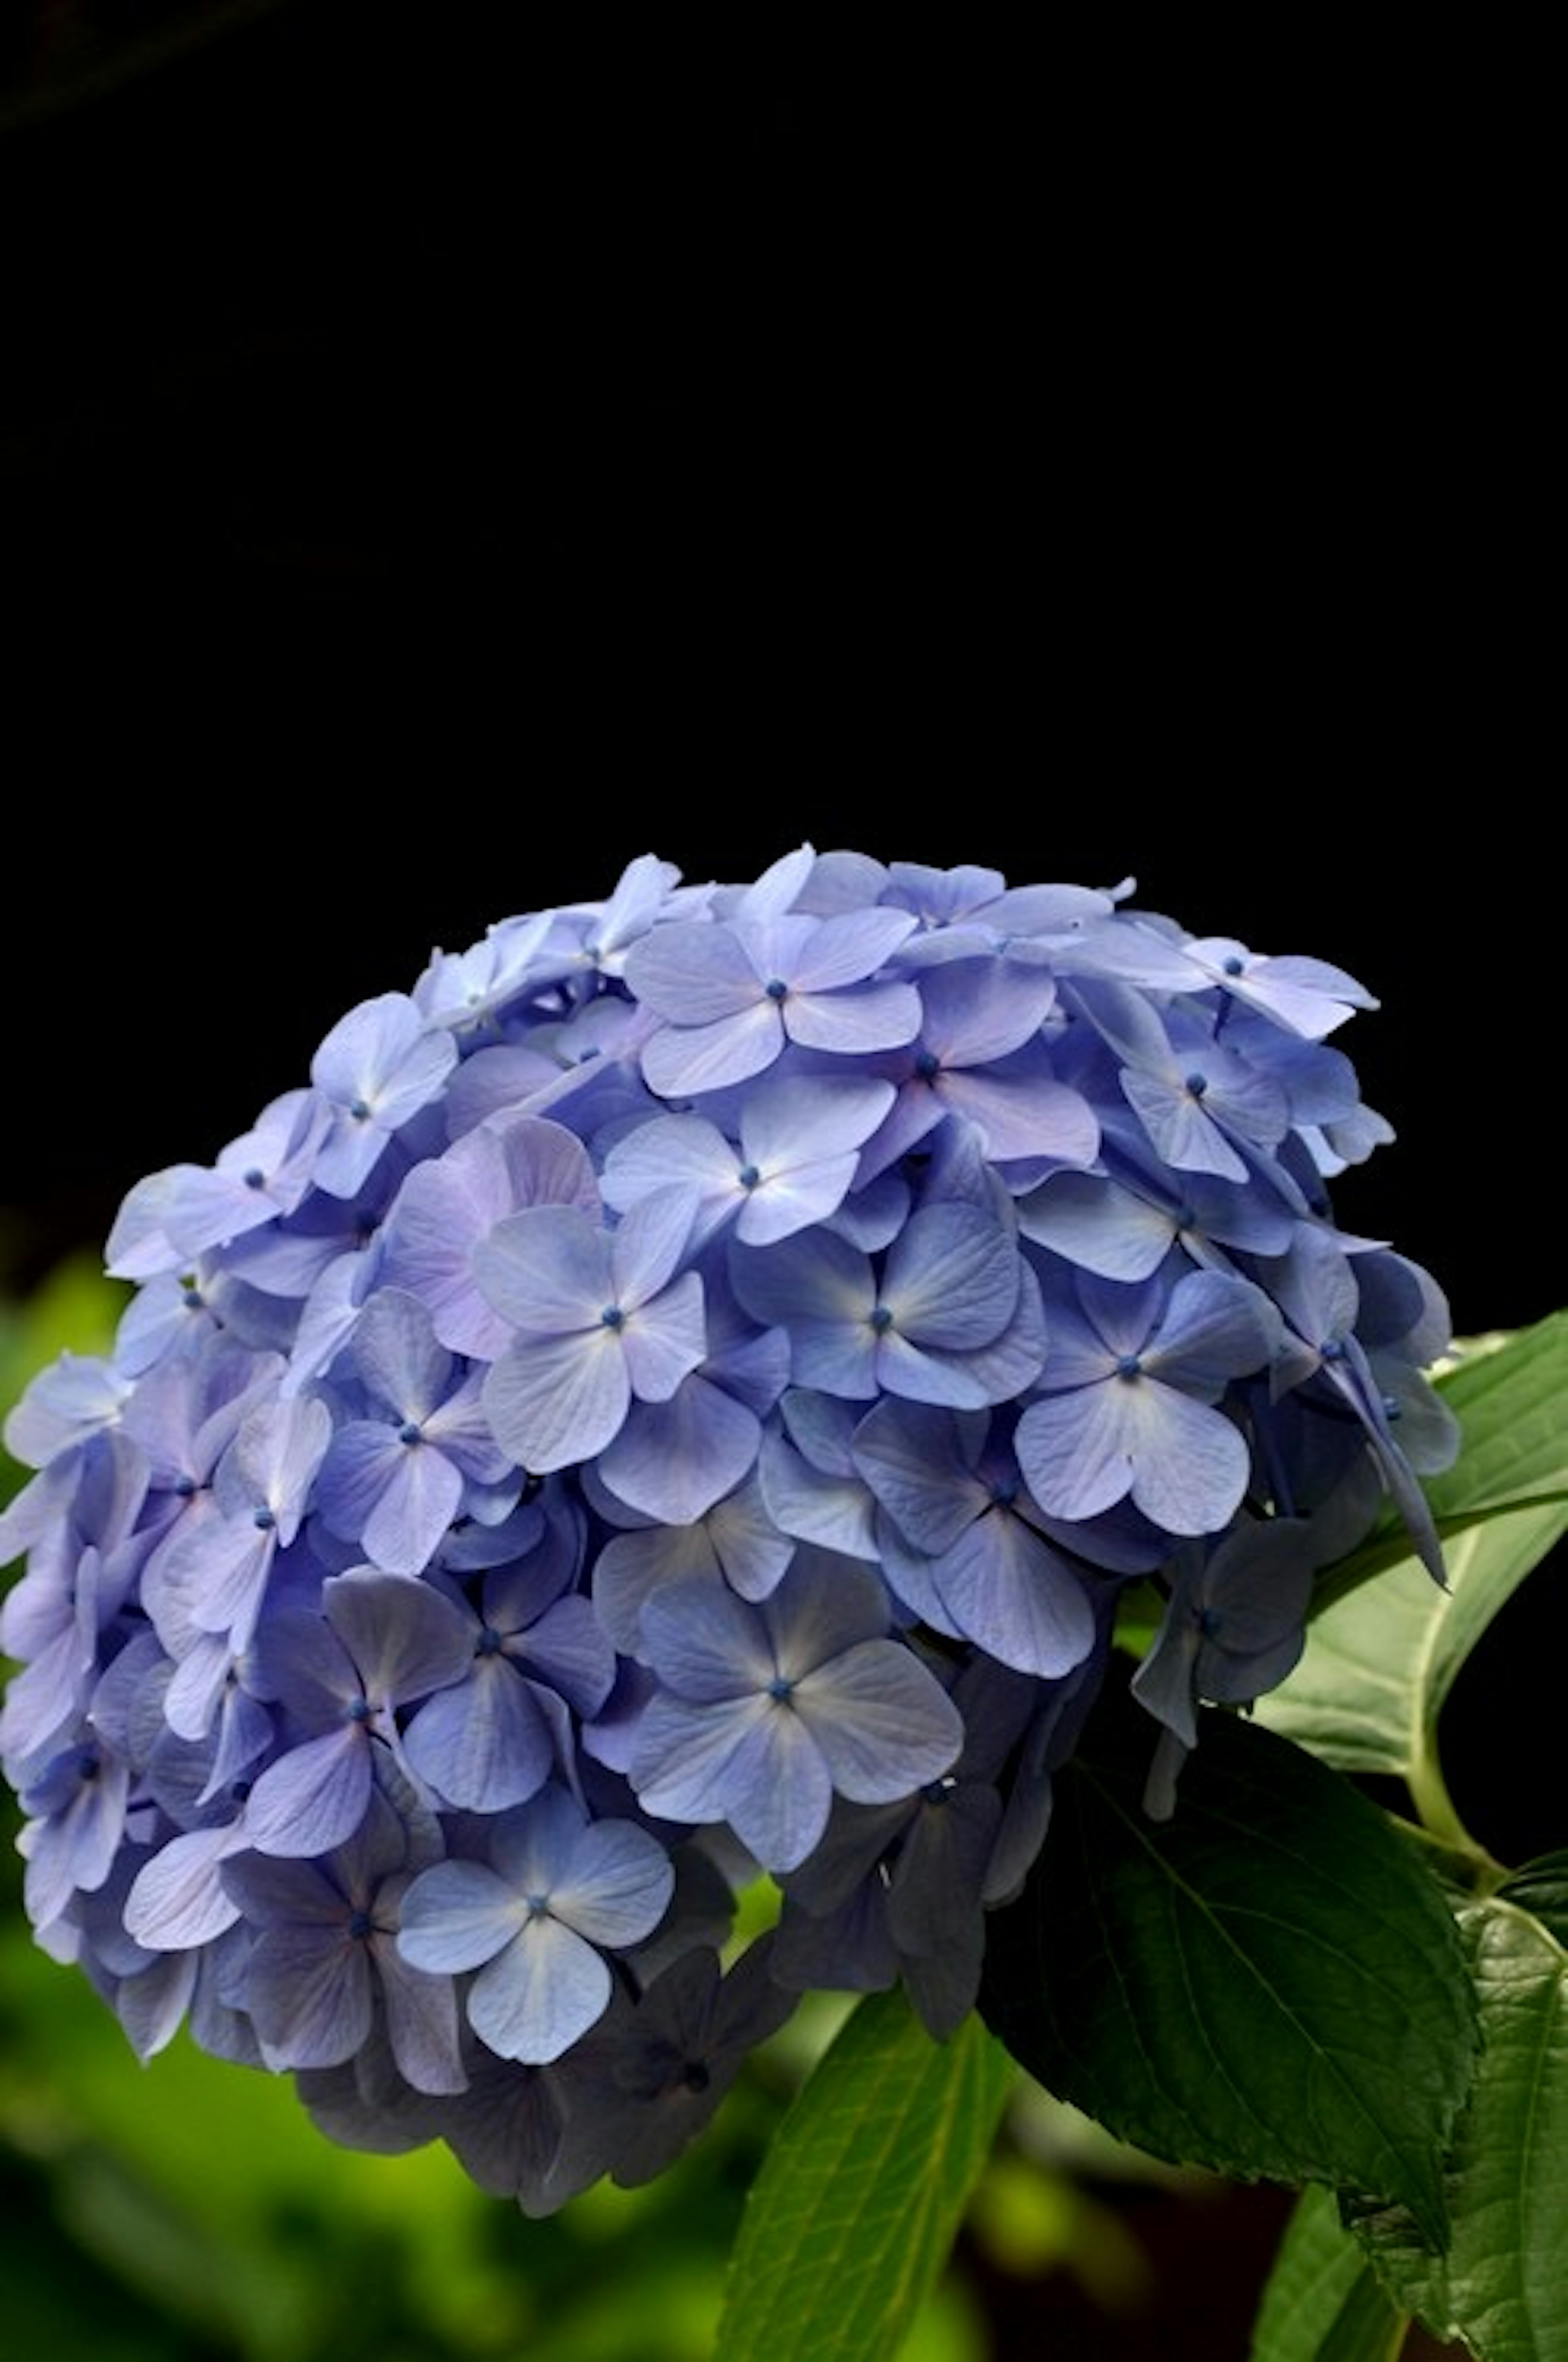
x=670 y=1405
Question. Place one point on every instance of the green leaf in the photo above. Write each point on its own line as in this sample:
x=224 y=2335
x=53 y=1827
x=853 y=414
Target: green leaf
x=1323 y=2301
x=1379 y=1663
x=1508 y=1402
x=1501 y=2287
x=1269 y=1983
x=861 y=2193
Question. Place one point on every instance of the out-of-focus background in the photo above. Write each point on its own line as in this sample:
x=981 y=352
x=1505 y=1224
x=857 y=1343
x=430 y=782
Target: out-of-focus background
x=443 y=456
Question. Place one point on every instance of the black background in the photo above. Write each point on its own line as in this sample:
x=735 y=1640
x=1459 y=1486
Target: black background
x=441 y=462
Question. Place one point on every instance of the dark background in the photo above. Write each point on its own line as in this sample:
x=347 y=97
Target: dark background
x=440 y=461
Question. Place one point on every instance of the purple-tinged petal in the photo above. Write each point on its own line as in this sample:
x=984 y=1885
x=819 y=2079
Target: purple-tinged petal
x=751 y=1763
x=423 y=1495
x=645 y=1252
x=918 y=1461
x=484 y=1743
x=836 y=1511
x=884 y=1723
x=397 y=1356
x=952 y=1278
x=308 y=1992
x=693 y=973
x=1098 y=1224
x=1008 y=1590
x=313 y=1798
x=705 y=1643
x=404 y=1637
x=546 y=1269
x=674 y=1460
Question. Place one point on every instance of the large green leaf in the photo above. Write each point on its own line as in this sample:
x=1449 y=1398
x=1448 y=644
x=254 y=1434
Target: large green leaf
x=1323 y=2301
x=1502 y=2285
x=861 y=2195
x=1510 y=1404
x=1269 y=1983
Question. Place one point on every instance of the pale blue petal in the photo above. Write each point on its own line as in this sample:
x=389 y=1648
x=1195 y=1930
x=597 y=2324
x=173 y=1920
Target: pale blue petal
x=455 y=1915
x=308 y=1992
x=1023 y=1114
x=397 y=1353
x=405 y=1637
x=918 y=1461
x=422 y=2023
x=178 y=1900
x=534 y=1998
x=421 y=1498
x=685 y=1060
x=839 y=1512
x=692 y=973
x=755 y=1766
x=646 y=1250
x=866 y=1017
x=617 y=1886
x=552 y=1403
x=1215 y=1328
x=546 y=1269
x=1191 y=1466
x=812 y=1278
x=665 y=1340
x=1098 y=1224
x=825 y=1605
x=852 y=945
x=1073 y=1461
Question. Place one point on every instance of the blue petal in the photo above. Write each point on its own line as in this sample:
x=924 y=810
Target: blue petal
x=178 y=1900
x=556 y=1402
x=884 y=1725
x=534 y=1998
x=484 y=1743
x=617 y=1886
x=455 y=1915
x=313 y=1798
x=1008 y=1590
x=674 y=1460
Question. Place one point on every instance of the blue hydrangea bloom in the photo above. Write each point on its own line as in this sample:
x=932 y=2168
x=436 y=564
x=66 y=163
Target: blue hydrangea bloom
x=668 y=1410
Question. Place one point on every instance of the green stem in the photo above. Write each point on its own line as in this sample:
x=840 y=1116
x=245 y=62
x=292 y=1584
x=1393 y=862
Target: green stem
x=1439 y=1819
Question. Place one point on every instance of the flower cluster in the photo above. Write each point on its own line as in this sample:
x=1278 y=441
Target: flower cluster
x=673 y=1406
